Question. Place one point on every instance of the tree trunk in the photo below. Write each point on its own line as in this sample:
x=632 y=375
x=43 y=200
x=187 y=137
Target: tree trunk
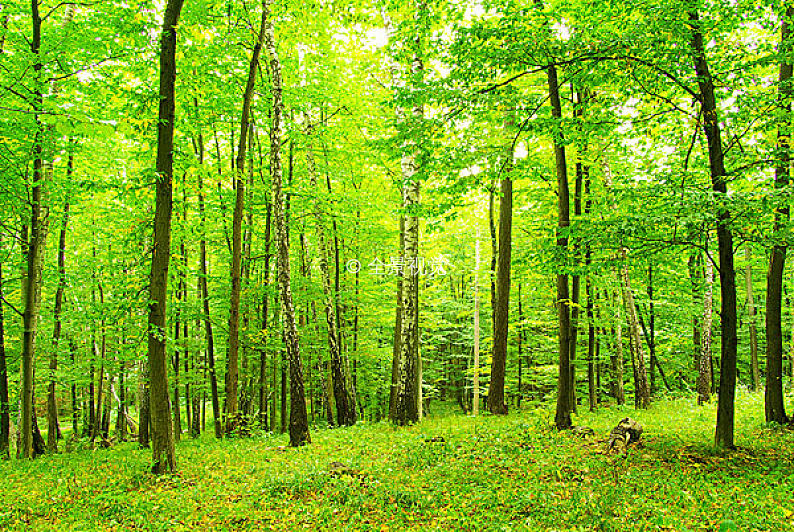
x=263 y=387
x=237 y=225
x=35 y=249
x=205 y=296
x=476 y=384
x=299 y=423
x=704 y=360
x=751 y=312
x=345 y=406
x=496 y=390
x=775 y=409
x=562 y=418
x=163 y=453
x=52 y=407
x=395 y=364
x=728 y=344
x=5 y=407
x=617 y=358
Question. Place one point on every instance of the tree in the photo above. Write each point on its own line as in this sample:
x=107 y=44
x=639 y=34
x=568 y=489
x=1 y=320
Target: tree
x=162 y=432
x=774 y=407
x=711 y=127
x=298 y=422
x=237 y=223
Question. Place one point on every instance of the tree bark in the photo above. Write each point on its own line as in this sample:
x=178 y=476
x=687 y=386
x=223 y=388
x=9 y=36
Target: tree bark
x=299 y=423
x=345 y=406
x=562 y=417
x=775 y=409
x=704 y=383
x=162 y=433
x=237 y=223
x=496 y=390
x=52 y=407
x=5 y=407
x=751 y=319
x=725 y=409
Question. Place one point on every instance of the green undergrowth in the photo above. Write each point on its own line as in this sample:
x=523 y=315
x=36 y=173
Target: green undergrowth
x=489 y=473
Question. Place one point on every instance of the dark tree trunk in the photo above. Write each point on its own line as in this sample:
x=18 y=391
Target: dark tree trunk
x=237 y=225
x=774 y=407
x=562 y=418
x=163 y=453
x=496 y=390
x=52 y=407
x=725 y=409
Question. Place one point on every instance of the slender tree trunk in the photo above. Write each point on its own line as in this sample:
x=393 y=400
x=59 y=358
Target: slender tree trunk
x=774 y=408
x=496 y=390
x=751 y=319
x=704 y=383
x=237 y=224
x=651 y=332
x=617 y=358
x=5 y=407
x=263 y=386
x=205 y=297
x=728 y=345
x=562 y=418
x=35 y=245
x=345 y=406
x=299 y=424
x=476 y=384
x=52 y=407
x=163 y=453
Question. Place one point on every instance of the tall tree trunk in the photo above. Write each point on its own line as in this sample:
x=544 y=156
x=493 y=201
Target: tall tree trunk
x=237 y=224
x=263 y=386
x=35 y=247
x=395 y=364
x=728 y=345
x=704 y=360
x=205 y=296
x=617 y=358
x=496 y=390
x=476 y=384
x=162 y=433
x=409 y=407
x=695 y=277
x=751 y=312
x=651 y=340
x=5 y=407
x=774 y=408
x=52 y=407
x=345 y=406
x=299 y=423
x=562 y=418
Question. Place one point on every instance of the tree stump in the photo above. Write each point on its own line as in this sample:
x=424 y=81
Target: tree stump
x=627 y=431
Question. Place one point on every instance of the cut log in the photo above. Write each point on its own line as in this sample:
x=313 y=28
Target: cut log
x=626 y=432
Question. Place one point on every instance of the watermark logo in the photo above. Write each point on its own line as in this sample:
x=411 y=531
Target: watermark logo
x=398 y=266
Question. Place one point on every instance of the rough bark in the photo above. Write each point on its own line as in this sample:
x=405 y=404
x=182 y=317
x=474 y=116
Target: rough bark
x=298 y=423
x=162 y=434
x=704 y=359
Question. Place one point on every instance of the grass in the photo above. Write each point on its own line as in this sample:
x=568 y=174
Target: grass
x=489 y=473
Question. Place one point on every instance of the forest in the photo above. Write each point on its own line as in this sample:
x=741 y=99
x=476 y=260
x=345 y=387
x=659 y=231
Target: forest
x=396 y=265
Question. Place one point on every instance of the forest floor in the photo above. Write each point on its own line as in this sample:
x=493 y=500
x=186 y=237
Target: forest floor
x=489 y=473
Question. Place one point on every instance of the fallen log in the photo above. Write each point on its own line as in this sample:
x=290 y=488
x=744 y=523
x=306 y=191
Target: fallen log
x=626 y=432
